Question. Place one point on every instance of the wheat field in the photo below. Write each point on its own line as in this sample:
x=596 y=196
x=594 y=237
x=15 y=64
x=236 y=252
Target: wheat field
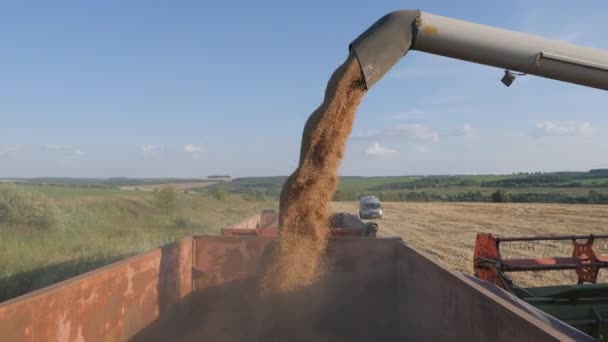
x=446 y=231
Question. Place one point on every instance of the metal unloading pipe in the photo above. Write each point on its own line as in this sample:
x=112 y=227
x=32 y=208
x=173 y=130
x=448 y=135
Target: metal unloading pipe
x=381 y=46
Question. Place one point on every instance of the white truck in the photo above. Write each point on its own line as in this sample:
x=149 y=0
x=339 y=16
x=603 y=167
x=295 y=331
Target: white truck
x=370 y=207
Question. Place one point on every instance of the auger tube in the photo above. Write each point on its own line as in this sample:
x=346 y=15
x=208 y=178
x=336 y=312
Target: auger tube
x=381 y=46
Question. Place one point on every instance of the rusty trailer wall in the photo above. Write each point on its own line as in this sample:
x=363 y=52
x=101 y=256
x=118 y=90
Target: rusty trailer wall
x=205 y=289
x=112 y=303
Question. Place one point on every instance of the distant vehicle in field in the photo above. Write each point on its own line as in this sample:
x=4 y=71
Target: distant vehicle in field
x=370 y=208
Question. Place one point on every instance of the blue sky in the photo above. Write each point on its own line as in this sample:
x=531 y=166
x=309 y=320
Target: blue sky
x=191 y=88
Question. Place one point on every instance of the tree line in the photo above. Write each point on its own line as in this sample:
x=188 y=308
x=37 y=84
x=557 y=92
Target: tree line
x=498 y=196
x=537 y=181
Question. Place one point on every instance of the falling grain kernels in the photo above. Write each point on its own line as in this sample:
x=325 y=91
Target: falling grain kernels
x=307 y=193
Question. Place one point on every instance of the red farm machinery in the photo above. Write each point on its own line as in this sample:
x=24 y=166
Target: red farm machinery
x=575 y=258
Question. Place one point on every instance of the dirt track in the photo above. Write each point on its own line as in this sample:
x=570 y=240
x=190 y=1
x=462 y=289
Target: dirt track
x=177 y=186
x=447 y=231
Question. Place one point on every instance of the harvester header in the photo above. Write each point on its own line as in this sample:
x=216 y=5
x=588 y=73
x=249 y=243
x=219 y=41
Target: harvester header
x=490 y=265
x=583 y=305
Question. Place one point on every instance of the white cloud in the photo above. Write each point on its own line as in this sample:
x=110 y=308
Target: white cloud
x=64 y=148
x=378 y=150
x=6 y=150
x=418 y=113
x=149 y=148
x=415 y=132
x=190 y=148
x=53 y=147
x=465 y=130
x=562 y=128
x=410 y=114
x=193 y=150
x=420 y=148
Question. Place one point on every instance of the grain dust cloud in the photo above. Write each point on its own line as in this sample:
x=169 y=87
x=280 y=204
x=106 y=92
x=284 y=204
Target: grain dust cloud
x=306 y=195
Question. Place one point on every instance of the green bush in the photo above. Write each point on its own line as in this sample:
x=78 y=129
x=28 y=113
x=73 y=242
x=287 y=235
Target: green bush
x=183 y=222
x=219 y=194
x=254 y=196
x=389 y=196
x=346 y=195
x=166 y=200
x=27 y=208
x=501 y=196
x=596 y=197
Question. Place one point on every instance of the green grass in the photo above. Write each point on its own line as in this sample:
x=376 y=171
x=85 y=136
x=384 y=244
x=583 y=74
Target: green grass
x=271 y=186
x=352 y=186
x=491 y=178
x=105 y=182
x=593 y=181
x=70 y=192
x=101 y=226
x=452 y=190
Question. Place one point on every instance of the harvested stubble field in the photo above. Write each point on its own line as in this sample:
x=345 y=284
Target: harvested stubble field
x=446 y=231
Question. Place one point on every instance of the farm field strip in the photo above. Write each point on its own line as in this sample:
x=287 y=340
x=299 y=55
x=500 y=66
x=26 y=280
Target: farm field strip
x=446 y=231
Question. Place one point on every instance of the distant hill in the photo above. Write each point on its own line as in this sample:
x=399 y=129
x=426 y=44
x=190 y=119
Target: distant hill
x=103 y=182
x=559 y=187
x=219 y=177
x=555 y=187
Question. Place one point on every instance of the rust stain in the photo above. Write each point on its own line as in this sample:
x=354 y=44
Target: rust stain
x=148 y=292
x=429 y=29
x=63 y=328
x=79 y=337
x=92 y=297
x=130 y=272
